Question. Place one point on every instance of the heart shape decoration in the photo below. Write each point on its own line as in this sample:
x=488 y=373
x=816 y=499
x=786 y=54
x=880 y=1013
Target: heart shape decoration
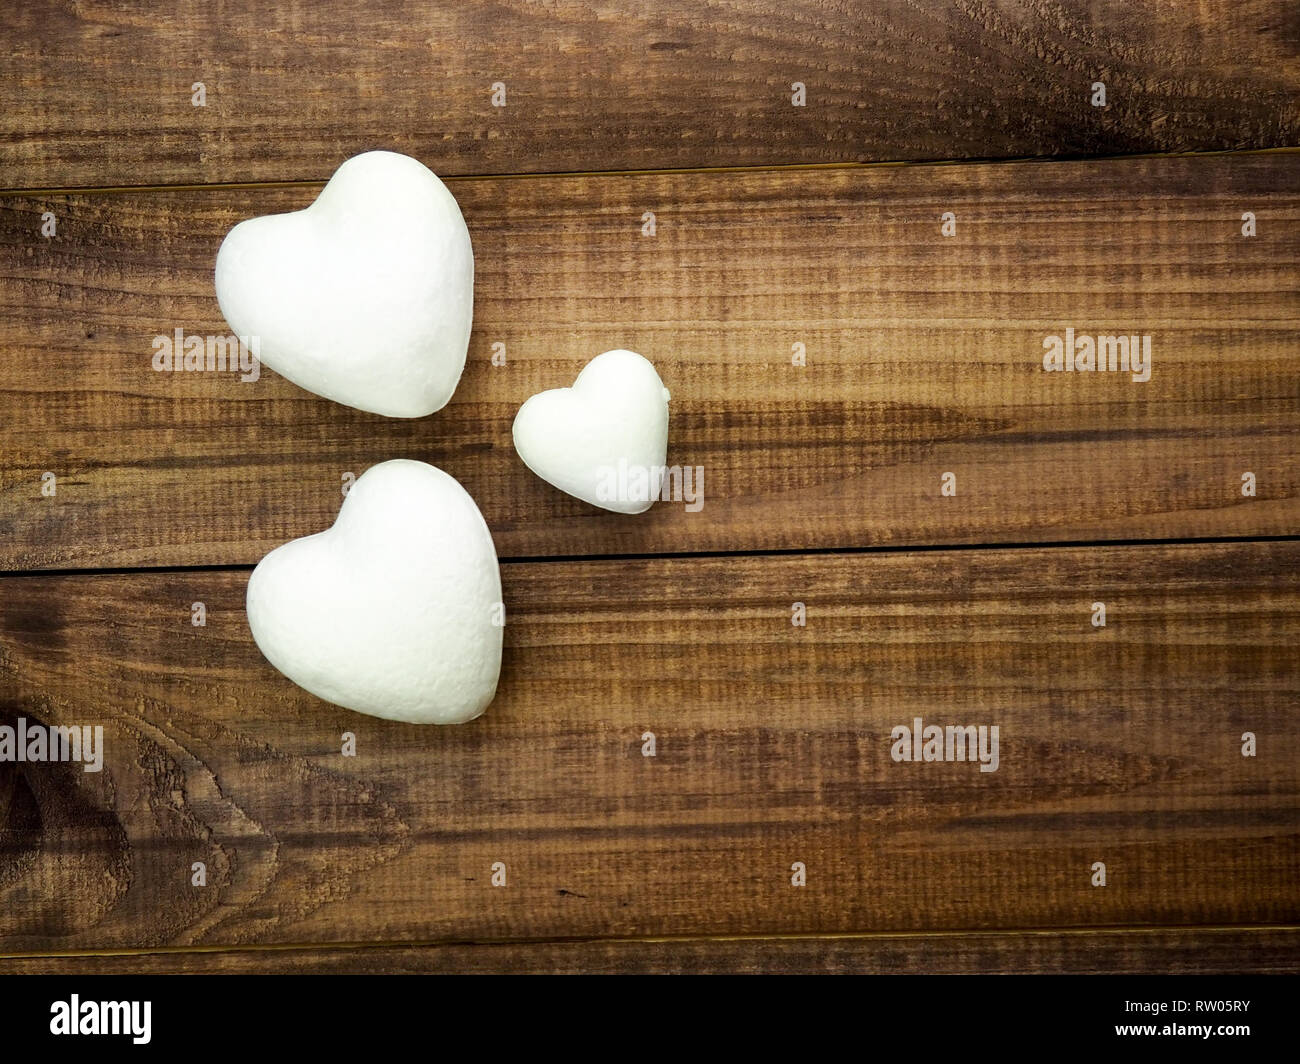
x=366 y=297
x=396 y=610
x=604 y=440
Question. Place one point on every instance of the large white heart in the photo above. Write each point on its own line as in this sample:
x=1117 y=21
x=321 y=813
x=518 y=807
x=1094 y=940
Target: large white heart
x=396 y=610
x=605 y=440
x=366 y=297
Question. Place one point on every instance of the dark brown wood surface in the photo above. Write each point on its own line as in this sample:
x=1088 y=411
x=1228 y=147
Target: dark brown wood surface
x=924 y=356
x=1176 y=951
x=102 y=94
x=1120 y=745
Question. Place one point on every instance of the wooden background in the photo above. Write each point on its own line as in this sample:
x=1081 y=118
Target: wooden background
x=776 y=225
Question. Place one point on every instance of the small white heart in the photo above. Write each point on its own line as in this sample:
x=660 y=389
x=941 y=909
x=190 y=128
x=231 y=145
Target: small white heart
x=604 y=440
x=396 y=610
x=366 y=297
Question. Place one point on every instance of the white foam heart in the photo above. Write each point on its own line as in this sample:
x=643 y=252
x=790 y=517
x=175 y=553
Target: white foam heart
x=365 y=297
x=604 y=440
x=395 y=610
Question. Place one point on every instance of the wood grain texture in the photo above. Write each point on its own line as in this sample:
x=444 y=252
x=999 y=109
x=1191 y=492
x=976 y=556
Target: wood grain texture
x=1120 y=745
x=1174 y=951
x=924 y=357
x=99 y=93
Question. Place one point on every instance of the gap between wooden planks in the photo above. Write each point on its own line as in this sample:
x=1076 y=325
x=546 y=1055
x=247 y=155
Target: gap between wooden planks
x=102 y=95
x=314 y=186
x=1120 y=745
x=1106 y=951
x=924 y=357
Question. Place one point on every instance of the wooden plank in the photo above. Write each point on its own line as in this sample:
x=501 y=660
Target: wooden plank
x=1179 y=951
x=924 y=357
x=1120 y=745
x=104 y=94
